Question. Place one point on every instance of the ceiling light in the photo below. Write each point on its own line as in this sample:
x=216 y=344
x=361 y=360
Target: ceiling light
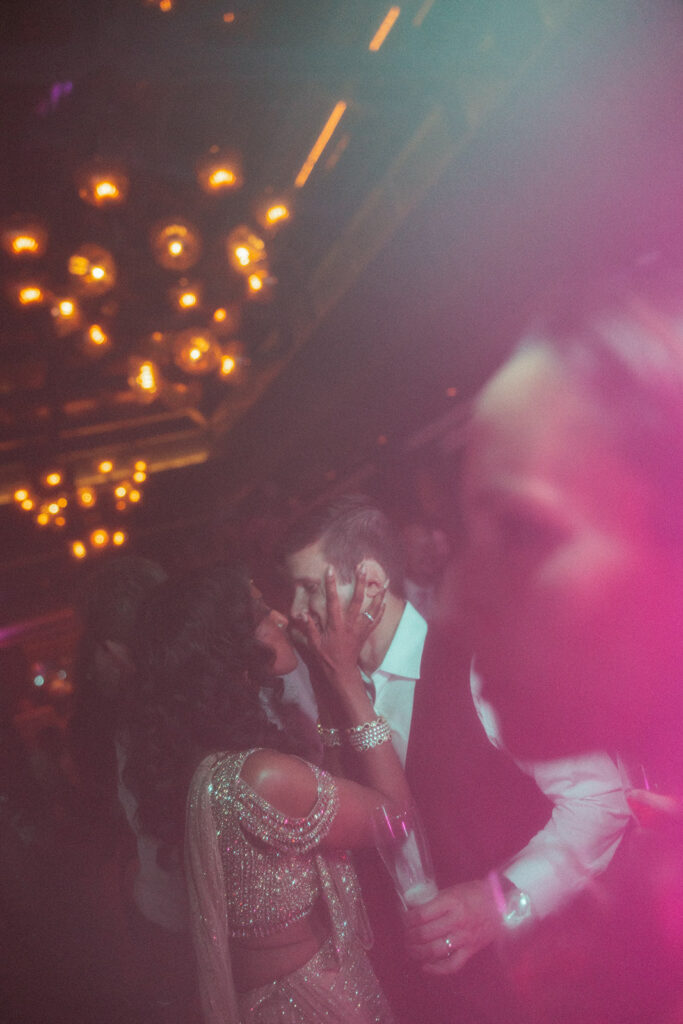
x=220 y=171
x=86 y=497
x=245 y=249
x=320 y=143
x=176 y=244
x=144 y=378
x=196 y=351
x=384 y=29
x=29 y=294
x=92 y=270
x=101 y=183
x=24 y=238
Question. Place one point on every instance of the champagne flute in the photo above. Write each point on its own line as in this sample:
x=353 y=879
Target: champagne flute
x=402 y=845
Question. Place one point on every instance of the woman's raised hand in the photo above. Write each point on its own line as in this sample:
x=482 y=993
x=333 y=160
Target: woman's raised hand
x=340 y=642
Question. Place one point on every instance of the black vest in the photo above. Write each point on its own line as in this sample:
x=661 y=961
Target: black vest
x=479 y=809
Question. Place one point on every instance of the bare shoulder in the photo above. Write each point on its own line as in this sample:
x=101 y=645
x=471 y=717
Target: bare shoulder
x=285 y=781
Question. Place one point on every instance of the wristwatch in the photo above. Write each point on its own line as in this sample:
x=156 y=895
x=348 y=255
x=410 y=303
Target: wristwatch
x=517 y=904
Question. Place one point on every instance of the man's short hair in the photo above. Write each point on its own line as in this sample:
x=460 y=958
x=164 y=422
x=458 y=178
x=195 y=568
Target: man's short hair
x=350 y=529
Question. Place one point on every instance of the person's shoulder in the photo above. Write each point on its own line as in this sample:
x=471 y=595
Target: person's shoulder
x=286 y=782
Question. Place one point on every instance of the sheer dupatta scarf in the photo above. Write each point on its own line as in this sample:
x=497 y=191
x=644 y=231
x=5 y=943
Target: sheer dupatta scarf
x=208 y=904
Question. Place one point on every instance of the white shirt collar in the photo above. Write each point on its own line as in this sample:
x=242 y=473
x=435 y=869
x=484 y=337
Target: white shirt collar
x=404 y=655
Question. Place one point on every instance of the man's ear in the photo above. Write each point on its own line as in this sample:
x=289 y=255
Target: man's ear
x=376 y=578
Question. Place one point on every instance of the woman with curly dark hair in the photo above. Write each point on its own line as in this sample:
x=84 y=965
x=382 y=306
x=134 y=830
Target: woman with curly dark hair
x=278 y=922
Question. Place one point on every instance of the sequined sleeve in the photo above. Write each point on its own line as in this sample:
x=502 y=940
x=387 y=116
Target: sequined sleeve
x=280 y=831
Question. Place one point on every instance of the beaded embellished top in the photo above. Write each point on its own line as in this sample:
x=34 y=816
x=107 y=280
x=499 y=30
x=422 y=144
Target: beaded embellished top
x=271 y=875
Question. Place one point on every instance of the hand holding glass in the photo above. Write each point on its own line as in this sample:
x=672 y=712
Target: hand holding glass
x=402 y=845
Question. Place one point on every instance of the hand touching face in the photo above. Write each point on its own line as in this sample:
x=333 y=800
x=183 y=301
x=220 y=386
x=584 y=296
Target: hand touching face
x=307 y=570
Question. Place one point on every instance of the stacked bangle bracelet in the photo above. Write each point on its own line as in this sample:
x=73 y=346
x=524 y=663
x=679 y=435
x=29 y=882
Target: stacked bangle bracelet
x=369 y=734
x=360 y=737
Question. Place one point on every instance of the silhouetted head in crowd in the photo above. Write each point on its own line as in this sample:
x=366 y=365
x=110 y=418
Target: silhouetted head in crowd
x=107 y=607
x=573 y=497
x=205 y=646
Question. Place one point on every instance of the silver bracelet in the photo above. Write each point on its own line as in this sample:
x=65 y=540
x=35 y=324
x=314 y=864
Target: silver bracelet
x=329 y=737
x=369 y=734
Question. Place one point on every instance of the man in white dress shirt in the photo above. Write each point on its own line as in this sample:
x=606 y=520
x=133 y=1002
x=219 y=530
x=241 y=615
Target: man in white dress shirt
x=589 y=811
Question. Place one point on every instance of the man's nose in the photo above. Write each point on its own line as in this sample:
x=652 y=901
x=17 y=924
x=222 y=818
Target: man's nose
x=298 y=605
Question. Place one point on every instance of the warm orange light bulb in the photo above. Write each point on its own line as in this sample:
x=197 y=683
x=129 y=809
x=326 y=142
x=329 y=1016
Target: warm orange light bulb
x=53 y=478
x=145 y=378
x=23 y=239
x=101 y=183
x=141 y=465
x=96 y=335
x=187 y=300
x=227 y=365
x=134 y=496
x=93 y=270
x=220 y=315
x=78 y=549
x=25 y=243
x=118 y=538
x=106 y=466
x=277 y=213
x=121 y=491
x=21 y=494
x=27 y=504
x=221 y=177
x=176 y=244
x=30 y=294
x=255 y=282
x=245 y=248
x=219 y=170
x=99 y=538
x=139 y=476
x=53 y=508
x=86 y=497
x=106 y=190
x=42 y=519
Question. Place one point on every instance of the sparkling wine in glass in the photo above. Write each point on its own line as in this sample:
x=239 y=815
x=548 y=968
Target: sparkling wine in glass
x=402 y=845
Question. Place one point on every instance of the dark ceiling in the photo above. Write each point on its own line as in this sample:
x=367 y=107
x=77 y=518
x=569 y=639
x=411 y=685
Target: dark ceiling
x=488 y=147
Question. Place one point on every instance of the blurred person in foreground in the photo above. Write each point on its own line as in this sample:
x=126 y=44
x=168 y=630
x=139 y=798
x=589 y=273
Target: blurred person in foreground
x=573 y=497
x=279 y=926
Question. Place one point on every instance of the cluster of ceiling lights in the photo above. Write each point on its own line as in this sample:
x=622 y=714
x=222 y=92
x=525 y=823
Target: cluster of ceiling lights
x=176 y=245
x=53 y=499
